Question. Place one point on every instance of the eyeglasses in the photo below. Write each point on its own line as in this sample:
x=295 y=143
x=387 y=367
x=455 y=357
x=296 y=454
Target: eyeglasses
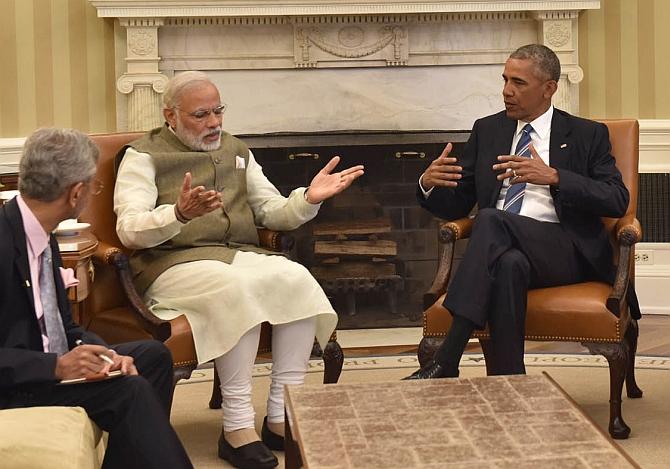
x=96 y=186
x=202 y=114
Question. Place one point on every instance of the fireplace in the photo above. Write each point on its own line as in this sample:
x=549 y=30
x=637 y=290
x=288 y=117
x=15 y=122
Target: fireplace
x=372 y=248
x=311 y=77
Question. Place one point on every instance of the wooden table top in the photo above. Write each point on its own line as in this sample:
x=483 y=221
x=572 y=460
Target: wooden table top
x=501 y=421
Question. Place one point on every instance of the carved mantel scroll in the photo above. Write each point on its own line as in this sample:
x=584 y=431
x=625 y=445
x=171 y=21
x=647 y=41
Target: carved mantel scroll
x=239 y=42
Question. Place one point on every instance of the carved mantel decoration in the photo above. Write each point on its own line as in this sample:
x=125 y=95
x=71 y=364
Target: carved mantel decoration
x=442 y=58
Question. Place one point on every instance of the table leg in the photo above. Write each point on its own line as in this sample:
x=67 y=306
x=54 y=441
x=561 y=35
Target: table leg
x=292 y=459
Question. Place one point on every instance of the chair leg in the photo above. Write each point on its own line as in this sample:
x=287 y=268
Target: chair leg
x=632 y=389
x=180 y=372
x=427 y=348
x=617 y=357
x=333 y=359
x=216 y=399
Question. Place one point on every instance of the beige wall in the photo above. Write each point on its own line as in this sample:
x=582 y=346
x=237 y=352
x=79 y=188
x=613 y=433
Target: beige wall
x=64 y=57
x=624 y=49
x=56 y=67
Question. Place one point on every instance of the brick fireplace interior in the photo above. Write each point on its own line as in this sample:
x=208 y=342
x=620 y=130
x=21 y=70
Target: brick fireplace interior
x=372 y=248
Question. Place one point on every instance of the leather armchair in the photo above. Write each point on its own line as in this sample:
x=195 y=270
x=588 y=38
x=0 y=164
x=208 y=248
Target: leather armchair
x=115 y=311
x=593 y=313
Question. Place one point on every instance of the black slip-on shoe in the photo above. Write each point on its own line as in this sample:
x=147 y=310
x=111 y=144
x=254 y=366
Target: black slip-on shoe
x=432 y=370
x=271 y=439
x=250 y=456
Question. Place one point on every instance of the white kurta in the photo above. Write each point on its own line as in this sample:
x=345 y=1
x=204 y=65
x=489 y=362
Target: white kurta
x=222 y=301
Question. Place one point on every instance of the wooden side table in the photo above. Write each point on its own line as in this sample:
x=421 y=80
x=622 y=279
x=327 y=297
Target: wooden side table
x=76 y=252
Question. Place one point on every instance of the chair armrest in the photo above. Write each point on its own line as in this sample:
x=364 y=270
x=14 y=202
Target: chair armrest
x=275 y=240
x=628 y=232
x=451 y=231
x=448 y=233
x=112 y=256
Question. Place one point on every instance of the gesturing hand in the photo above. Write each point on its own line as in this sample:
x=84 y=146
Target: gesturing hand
x=195 y=202
x=443 y=171
x=325 y=184
x=523 y=169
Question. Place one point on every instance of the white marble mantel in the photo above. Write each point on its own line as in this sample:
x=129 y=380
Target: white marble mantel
x=226 y=8
x=305 y=65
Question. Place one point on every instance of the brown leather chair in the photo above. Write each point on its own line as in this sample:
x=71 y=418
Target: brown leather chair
x=593 y=313
x=115 y=311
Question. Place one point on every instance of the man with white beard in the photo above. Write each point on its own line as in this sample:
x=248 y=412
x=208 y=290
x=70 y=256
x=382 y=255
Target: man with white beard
x=188 y=199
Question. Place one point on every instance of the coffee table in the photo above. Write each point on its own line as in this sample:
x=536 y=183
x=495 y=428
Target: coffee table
x=524 y=421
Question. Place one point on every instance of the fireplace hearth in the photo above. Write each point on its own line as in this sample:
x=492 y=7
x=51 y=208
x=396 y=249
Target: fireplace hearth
x=372 y=248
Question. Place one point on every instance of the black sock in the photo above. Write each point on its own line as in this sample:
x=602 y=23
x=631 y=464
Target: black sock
x=450 y=352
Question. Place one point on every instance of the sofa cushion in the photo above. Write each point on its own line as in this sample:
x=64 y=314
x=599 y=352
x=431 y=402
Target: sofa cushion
x=40 y=437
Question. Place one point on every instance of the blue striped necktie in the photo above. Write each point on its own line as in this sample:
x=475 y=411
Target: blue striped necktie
x=515 y=192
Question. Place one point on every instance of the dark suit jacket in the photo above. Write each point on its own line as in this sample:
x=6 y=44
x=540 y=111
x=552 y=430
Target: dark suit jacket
x=590 y=184
x=24 y=366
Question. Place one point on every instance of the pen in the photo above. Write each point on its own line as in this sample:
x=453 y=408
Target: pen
x=100 y=355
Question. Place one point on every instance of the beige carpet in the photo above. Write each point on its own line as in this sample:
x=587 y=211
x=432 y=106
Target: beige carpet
x=585 y=378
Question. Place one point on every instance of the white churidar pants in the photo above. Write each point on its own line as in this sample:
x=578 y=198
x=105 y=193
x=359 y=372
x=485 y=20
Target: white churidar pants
x=291 y=346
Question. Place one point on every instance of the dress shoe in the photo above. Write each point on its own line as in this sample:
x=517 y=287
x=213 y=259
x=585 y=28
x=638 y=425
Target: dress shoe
x=250 y=456
x=271 y=439
x=432 y=370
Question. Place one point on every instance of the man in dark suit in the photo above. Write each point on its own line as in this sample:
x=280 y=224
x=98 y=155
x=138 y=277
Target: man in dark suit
x=40 y=345
x=542 y=179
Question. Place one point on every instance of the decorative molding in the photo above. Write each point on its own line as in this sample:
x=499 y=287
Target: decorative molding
x=313 y=45
x=250 y=8
x=654 y=146
x=11 y=150
x=652 y=282
x=127 y=82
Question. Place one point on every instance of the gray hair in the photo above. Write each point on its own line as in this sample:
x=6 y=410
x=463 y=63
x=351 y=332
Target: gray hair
x=546 y=62
x=181 y=82
x=55 y=159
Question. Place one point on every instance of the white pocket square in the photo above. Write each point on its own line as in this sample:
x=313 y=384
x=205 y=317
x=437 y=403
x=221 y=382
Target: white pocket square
x=240 y=163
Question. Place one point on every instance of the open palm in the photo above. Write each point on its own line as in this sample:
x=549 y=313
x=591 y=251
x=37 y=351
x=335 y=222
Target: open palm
x=326 y=183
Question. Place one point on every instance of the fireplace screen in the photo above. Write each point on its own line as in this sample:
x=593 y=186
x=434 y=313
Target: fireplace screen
x=372 y=248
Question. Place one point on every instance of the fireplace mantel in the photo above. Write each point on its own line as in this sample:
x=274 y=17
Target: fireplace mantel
x=251 y=8
x=312 y=66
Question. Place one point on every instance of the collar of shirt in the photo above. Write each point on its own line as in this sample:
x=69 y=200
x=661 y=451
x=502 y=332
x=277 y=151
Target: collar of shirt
x=541 y=125
x=36 y=238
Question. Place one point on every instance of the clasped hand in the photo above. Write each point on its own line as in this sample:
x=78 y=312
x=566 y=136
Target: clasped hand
x=84 y=361
x=196 y=202
x=326 y=183
x=523 y=169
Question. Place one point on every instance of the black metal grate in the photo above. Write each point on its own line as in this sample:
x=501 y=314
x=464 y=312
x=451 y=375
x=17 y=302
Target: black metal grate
x=653 y=207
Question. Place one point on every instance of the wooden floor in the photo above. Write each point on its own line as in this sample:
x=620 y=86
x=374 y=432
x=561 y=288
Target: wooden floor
x=654 y=341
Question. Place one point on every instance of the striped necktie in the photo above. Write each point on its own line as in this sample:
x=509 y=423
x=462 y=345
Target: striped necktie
x=515 y=192
x=53 y=323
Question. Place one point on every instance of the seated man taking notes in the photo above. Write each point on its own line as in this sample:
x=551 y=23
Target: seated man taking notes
x=41 y=346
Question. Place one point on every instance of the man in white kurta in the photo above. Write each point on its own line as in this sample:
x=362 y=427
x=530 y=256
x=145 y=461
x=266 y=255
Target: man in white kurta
x=225 y=302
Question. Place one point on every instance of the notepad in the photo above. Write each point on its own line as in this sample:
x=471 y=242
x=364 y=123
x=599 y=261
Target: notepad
x=93 y=378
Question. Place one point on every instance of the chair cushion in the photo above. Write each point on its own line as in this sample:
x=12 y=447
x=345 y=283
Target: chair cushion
x=39 y=437
x=574 y=313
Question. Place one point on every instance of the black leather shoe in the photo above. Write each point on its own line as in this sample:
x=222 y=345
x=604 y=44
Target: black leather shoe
x=432 y=370
x=271 y=439
x=250 y=456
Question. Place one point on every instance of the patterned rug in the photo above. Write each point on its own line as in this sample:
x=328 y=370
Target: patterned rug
x=649 y=417
x=536 y=360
